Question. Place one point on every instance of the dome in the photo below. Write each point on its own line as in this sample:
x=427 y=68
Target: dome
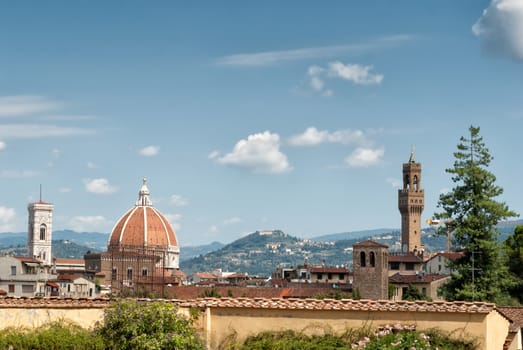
x=143 y=226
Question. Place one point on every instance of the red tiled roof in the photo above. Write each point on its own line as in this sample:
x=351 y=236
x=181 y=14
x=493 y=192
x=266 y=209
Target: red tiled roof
x=205 y=275
x=3 y=292
x=69 y=261
x=330 y=269
x=269 y=303
x=405 y=258
x=414 y=279
x=515 y=315
x=27 y=259
x=369 y=243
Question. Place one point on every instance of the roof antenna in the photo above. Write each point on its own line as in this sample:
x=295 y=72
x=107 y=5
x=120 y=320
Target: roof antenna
x=40 y=192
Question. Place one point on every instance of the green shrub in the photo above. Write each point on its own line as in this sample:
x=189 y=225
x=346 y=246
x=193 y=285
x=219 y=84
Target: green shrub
x=130 y=324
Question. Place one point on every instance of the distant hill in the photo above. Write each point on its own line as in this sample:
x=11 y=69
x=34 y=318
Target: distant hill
x=188 y=252
x=352 y=235
x=93 y=240
x=61 y=249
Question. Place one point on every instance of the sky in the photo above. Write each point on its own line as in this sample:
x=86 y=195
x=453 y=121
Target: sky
x=291 y=115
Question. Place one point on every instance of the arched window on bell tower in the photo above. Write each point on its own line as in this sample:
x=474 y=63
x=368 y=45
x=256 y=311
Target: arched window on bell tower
x=43 y=232
x=362 y=259
x=406 y=182
x=372 y=259
x=416 y=183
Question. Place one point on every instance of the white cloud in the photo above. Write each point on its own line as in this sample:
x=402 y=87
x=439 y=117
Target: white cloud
x=2 y=146
x=95 y=223
x=18 y=174
x=312 y=137
x=7 y=215
x=356 y=73
x=91 y=165
x=273 y=57
x=214 y=154
x=259 y=152
x=99 y=186
x=149 y=151
x=12 y=106
x=364 y=157
x=500 y=28
x=174 y=220
x=396 y=183
x=179 y=201
x=232 y=221
x=31 y=131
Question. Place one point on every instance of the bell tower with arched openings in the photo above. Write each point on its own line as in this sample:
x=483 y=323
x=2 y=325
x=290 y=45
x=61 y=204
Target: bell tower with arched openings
x=411 y=203
x=40 y=231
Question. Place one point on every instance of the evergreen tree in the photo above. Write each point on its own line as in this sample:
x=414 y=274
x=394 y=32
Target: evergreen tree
x=471 y=205
x=514 y=254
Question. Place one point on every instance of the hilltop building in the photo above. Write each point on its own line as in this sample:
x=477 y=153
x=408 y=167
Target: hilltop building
x=142 y=252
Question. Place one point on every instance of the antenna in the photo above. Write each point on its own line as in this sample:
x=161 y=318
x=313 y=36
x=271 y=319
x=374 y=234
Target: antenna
x=40 y=192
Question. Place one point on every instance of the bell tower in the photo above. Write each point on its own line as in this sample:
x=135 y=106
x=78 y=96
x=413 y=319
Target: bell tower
x=411 y=203
x=40 y=231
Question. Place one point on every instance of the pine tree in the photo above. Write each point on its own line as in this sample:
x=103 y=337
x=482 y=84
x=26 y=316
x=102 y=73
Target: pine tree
x=471 y=205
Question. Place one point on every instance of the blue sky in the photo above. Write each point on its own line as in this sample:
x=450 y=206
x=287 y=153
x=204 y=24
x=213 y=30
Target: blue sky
x=292 y=115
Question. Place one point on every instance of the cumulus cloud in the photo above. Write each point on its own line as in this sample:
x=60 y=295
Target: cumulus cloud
x=12 y=106
x=7 y=216
x=99 y=186
x=2 y=146
x=312 y=137
x=232 y=221
x=149 y=151
x=355 y=73
x=259 y=152
x=363 y=157
x=174 y=220
x=93 y=223
x=500 y=28
x=179 y=201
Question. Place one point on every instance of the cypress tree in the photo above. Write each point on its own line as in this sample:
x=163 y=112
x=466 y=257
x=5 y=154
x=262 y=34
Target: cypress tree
x=481 y=274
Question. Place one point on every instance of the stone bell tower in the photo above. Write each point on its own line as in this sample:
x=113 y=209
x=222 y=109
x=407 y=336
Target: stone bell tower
x=411 y=203
x=40 y=231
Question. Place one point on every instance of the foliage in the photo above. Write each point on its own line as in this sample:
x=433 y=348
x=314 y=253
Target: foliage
x=471 y=205
x=210 y=293
x=130 y=324
x=334 y=294
x=58 y=335
x=514 y=253
x=385 y=337
x=412 y=293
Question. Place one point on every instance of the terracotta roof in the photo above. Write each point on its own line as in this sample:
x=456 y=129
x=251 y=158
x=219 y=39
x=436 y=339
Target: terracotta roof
x=449 y=255
x=269 y=303
x=515 y=315
x=3 y=292
x=369 y=243
x=414 y=279
x=404 y=258
x=26 y=259
x=69 y=261
x=143 y=225
x=68 y=276
x=205 y=275
x=330 y=269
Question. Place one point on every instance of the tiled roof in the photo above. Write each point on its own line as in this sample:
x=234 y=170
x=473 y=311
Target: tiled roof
x=449 y=255
x=205 y=275
x=414 y=279
x=405 y=258
x=515 y=314
x=270 y=303
x=330 y=269
x=69 y=261
x=26 y=259
x=369 y=243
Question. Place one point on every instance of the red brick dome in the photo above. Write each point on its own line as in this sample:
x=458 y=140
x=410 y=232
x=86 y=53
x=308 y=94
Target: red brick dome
x=143 y=226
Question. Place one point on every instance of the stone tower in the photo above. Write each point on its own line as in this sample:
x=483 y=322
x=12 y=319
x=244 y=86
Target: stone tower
x=411 y=203
x=40 y=231
x=371 y=270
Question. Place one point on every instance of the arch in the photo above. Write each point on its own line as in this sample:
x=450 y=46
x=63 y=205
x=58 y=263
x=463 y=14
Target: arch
x=362 y=259
x=129 y=273
x=372 y=259
x=43 y=232
x=406 y=182
x=415 y=180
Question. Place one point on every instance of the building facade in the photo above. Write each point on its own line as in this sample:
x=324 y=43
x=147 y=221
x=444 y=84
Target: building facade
x=40 y=231
x=370 y=264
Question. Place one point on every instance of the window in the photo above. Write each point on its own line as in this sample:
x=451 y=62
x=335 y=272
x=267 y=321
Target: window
x=27 y=288
x=341 y=276
x=439 y=268
x=144 y=271
x=329 y=276
x=362 y=259
x=43 y=230
x=409 y=266
x=320 y=276
x=129 y=273
x=11 y=288
x=13 y=270
x=416 y=183
x=424 y=291
x=114 y=274
x=372 y=259
x=394 y=265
